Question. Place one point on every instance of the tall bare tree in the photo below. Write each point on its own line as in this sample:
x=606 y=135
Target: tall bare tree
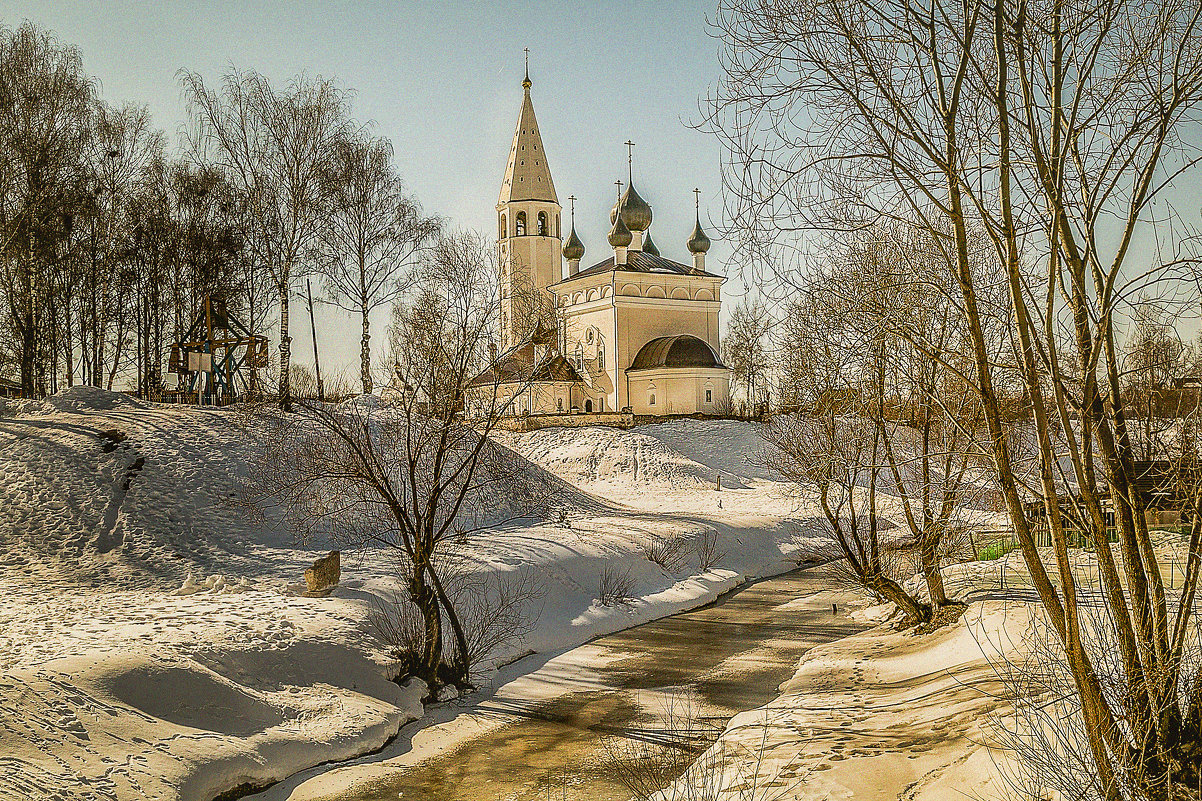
x=272 y=145
x=409 y=473
x=45 y=107
x=745 y=346
x=371 y=235
x=1060 y=129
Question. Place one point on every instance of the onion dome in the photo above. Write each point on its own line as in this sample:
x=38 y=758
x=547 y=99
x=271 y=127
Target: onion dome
x=635 y=211
x=620 y=236
x=573 y=249
x=698 y=242
x=648 y=245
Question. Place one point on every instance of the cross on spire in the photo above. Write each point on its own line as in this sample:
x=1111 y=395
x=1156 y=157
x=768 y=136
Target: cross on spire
x=619 y=184
x=697 y=202
x=629 y=160
x=572 y=200
x=526 y=82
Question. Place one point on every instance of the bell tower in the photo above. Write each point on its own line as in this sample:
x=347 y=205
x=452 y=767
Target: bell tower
x=529 y=240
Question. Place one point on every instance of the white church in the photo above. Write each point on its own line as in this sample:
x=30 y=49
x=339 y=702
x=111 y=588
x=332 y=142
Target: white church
x=635 y=331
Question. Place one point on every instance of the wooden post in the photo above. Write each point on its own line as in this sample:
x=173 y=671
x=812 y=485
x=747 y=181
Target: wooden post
x=321 y=390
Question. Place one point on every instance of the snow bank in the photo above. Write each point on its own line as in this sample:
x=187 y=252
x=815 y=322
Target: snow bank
x=887 y=714
x=673 y=456
x=80 y=400
x=149 y=646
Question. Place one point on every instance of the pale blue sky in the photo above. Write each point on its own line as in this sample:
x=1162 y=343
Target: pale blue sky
x=442 y=81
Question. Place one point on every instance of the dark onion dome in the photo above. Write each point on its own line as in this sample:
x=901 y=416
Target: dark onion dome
x=573 y=249
x=635 y=211
x=682 y=350
x=620 y=236
x=698 y=242
x=648 y=245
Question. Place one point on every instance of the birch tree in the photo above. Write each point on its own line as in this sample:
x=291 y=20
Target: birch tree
x=371 y=235
x=272 y=145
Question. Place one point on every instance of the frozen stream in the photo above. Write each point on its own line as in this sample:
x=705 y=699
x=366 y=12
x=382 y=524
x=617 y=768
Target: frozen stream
x=537 y=732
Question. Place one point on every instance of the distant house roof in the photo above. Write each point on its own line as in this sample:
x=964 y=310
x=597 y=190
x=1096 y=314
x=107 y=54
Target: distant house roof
x=517 y=365
x=683 y=350
x=640 y=261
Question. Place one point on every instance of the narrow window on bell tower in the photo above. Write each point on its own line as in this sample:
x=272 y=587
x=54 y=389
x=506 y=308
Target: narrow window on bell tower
x=519 y=224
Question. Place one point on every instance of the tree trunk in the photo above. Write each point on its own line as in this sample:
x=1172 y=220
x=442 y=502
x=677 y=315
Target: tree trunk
x=365 y=355
x=464 y=666
x=285 y=350
x=929 y=557
x=427 y=603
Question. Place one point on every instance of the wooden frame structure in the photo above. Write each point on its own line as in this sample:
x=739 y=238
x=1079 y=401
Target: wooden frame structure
x=220 y=351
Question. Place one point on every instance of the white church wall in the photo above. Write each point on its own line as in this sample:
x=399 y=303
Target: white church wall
x=680 y=391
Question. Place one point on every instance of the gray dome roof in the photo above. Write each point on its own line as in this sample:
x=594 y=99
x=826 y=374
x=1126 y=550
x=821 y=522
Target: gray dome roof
x=682 y=350
x=635 y=211
x=698 y=241
x=648 y=245
x=573 y=248
x=620 y=236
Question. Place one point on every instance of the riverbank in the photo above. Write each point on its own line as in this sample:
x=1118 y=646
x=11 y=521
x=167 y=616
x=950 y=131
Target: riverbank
x=114 y=685
x=886 y=714
x=552 y=725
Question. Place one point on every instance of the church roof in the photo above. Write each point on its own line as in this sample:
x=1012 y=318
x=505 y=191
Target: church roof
x=517 y=366
x=527 y=176
x=682 y=350
x=640 y=261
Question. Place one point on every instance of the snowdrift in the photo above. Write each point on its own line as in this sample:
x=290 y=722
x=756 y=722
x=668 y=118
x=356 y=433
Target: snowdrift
x=116 y=682
x=672 y=456
x=97 y=483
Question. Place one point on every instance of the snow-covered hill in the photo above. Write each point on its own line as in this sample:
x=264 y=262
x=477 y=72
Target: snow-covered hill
x=675 y=456
x=112 y=686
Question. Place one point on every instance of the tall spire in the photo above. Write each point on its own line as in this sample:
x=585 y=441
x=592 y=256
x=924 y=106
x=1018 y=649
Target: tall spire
x=527 y=175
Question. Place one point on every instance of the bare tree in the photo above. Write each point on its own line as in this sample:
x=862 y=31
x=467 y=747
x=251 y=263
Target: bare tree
x=744 y=348
x=409 y=474
x=272 y=145
x=1152 y=358
x=893 y=286
x=1060 y=129
x=835 y=451
x=371 y=236
x=45 y=107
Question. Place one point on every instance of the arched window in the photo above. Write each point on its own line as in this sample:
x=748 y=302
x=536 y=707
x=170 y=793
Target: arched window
x=542 y=223
x=600 y=353
x=589 y=336
x=601 y=404
x=519 y=224
x=588 y=405
x=579 y=357
x=652 y=402
x=557 y=231
x=504 y=230
x=559 y=404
